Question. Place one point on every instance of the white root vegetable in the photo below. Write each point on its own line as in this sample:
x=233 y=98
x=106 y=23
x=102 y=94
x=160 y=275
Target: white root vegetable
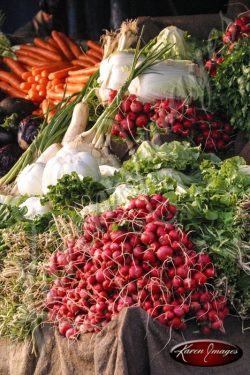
x=78 y=122
x=34 y=207
x=49 y=153
x=82 y=163
x=30 y=179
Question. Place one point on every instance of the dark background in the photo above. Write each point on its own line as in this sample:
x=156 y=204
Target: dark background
x=88 y=18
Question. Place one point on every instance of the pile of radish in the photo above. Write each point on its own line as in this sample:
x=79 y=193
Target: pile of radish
x=176 y=116
x=133 y=256
x=235 y=31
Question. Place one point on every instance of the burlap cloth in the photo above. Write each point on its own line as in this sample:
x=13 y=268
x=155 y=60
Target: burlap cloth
x=132 y=344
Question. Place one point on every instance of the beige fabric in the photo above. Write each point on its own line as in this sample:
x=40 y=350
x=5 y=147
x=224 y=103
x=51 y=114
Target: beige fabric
x=132 y=344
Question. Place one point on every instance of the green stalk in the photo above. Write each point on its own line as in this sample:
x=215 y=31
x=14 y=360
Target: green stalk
x=50 y=133
x=103 y=125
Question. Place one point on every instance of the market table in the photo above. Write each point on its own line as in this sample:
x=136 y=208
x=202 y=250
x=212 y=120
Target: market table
x=132 y=344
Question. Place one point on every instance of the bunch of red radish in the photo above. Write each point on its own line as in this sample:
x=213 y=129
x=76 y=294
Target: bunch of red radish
x=133 y=256
x=235 y=31
x=189 y=121
x=132 y=114
x=185 y=120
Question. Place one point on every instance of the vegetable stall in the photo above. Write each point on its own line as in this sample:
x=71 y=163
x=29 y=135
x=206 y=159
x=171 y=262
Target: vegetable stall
x=125 y=199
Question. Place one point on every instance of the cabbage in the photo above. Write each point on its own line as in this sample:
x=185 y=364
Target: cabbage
x=168 y=79
x=176 y=37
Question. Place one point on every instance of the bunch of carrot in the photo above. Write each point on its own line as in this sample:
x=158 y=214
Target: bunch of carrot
x=49 y=70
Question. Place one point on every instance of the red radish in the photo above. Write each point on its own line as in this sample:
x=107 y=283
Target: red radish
x=147 y=237
x=164 y=253
x=141 y=121
x=136 y=106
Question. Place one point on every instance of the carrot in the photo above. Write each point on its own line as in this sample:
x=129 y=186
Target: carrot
x=60 y=73
x=48 y=55
x=10 y=78
x=95 y=46
x=86 y=71
x=31 y=79
x=36 y=78
x=93 y=53
x=43 y=44
x=15 y=66
x=81 y=63
x=30 y=61
x=37 y=112
x=74 y=48
x=26 y=75
x=25 y=86
x=41 y=87
x=43 y=81
x=32 y=55
x=57 y=36
x=55 y=82
x=59 y=87
x=92 y=60
x=45 y=106
x=56 y=95
x=5 y=87
x=42 y=93
x=50 y=67
x=77 y=79
x=45 y=73
x=74 y=87
x=53 y=43
x=33 y=95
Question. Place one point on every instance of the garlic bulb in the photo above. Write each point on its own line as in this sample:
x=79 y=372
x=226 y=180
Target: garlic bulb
x=82 y=163
x=30 y=179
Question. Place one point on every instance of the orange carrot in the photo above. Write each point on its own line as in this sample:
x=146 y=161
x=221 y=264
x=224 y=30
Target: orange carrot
x=10 y=78
x=92 y=60
x=15 y=66
x=94 y=53
x=86 y=71
x=56 y=95
x=5 y=87
x=26 y=75
x=34 y=95
x=25 y=86
x=57 y=36
x=43 y=81
x=37 y=112
x=48 y=55
x=36 y=78
x=77 y=79
x=45 y=73
x=31 y=79
x=30 y=61
x=74 y=48
x=60 y=73
x=53 y=43
x=51 y=67
x=55 y=82
x=45 y=106
x=32 y=55
x=74 y=87
x=81 y=63
x=43 y=44
x=95 y=46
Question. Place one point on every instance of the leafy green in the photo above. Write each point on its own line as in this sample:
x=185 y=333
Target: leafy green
x=148 y=158
x=231 y=86
x=210 y=210
x=73 y=191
